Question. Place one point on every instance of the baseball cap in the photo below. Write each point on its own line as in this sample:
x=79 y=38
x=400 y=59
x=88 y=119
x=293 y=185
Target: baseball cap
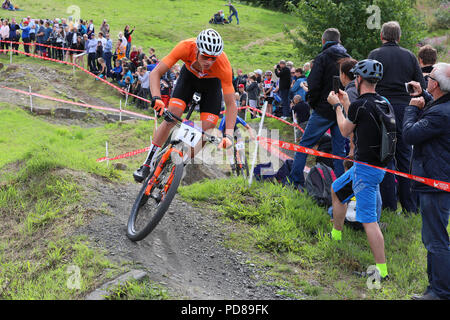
x=241 y=86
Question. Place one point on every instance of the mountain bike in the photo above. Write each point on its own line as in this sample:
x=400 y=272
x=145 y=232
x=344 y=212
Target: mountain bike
x=240 y=166
x=160 y=187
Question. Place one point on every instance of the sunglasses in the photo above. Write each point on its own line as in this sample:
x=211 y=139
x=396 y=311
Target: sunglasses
x=429 y=77
x=209 y=58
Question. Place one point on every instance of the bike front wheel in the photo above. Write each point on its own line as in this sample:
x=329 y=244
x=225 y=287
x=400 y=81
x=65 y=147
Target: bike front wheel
x=155 y=196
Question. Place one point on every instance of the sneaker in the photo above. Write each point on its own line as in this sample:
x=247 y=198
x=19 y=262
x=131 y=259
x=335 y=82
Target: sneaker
x=141 y=173
x=371 y=273
x=430 y=295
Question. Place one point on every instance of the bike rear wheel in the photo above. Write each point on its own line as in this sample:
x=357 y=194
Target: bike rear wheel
x=155 y=197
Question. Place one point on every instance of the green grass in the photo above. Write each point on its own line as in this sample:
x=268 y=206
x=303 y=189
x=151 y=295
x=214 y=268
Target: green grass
x=288 y=232
x=162 y=23
x=41 y=201
x=138 y=290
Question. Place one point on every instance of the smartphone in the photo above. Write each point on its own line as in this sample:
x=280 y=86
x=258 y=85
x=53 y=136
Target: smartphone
x=336 y=84
x=409 y=88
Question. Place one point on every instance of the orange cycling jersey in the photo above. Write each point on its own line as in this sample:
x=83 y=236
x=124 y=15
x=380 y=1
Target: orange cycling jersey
x=186 y=51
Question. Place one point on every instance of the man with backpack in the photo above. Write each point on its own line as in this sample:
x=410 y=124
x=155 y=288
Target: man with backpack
x=371 y=119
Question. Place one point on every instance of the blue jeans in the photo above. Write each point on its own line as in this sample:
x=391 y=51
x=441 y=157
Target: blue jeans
x=107 y=57
x=315 y=129
x=284 y=95
x=390 y=190
x=231 y=16
x=435 y=210
x=127 y=52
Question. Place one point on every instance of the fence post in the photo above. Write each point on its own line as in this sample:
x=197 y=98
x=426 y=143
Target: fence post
x=107 y=155
x=295 y=128
x=31 y=100
x=255 y=154
x=10 y=53
x=120 y=113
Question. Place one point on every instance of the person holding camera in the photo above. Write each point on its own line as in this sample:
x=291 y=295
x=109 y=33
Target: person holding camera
x=362 y=119
x=401 y=66
x=320 y=83
x=425 y=126
x=284 y=73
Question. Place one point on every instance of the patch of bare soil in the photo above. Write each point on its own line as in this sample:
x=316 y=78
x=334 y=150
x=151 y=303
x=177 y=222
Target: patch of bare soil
x=185 y=253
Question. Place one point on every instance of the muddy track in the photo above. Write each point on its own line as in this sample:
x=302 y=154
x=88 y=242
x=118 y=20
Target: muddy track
x=185 y=253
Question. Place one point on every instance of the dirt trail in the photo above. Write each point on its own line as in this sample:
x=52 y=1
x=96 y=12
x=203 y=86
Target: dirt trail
x=185 y=252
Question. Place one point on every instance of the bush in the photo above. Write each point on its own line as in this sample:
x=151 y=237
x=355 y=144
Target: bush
x=358 y=23
x=442 y=16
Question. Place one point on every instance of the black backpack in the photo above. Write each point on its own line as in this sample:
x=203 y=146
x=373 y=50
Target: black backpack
x=318 y=184
x=386 y=115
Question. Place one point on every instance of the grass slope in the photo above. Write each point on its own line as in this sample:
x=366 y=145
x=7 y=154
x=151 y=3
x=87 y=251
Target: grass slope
x=288 y=233
x=258 y=41
x=42 y=199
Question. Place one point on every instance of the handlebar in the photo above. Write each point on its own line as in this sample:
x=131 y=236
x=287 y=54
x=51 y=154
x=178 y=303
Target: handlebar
x=170 y=117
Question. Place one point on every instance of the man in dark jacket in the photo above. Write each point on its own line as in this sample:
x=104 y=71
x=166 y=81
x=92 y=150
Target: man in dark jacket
x=320 y=83
x=426 y=128
x=401 y=66
x=284 y=73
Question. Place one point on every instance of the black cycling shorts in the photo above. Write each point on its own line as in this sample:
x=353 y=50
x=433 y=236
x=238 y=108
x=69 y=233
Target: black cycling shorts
x=209 y=88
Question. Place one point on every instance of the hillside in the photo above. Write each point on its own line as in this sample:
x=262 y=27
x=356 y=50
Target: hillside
x=258 y=42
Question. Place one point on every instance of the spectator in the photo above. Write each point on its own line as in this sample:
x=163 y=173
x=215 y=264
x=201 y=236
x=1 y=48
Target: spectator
x=99 y=53
x=301 y=111
x=252 y=91
x=107 y=54
x=307 y=69
x=134 y=56
x=127 y=34
x=284 y=73
x=25 y=35
x=13 y=27
x=362 y=120
x=233 y=12
x=116 y=73
x=47 y=39
x=91 y=50
x=15 y=46
x=101 y=68
x=40 y=33
x=243 y=97
x=4 y=35
x=32 y=24
x=127 y=77
x=401 y=66
x=104 y=28
x=297 y=88
x=427 y=58
x=348 y=78
x=268 y=87
x=426 y=127
x=240 y=79
x=120 y=50
x=90 y=29
x=323 y=117
x=79 y=46
x=144 y=92
x=71 y=39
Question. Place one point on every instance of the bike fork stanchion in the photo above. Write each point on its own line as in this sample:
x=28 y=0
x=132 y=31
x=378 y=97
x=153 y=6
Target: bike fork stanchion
x=255 y=154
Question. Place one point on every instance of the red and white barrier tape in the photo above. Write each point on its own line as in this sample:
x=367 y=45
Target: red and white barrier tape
x=125 y=155
x=41 y=45
x=80 y=104
x=79 y=67
x=445 y=186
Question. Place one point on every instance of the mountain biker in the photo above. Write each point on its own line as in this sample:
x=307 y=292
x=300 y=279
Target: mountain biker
x=206 y=70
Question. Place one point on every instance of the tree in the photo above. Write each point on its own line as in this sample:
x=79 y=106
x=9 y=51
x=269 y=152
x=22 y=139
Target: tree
x=359 y=23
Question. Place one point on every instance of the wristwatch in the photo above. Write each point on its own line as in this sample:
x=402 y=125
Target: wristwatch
x=338 y=104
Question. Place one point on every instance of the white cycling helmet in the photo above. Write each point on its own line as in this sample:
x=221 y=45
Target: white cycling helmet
x=209 y=42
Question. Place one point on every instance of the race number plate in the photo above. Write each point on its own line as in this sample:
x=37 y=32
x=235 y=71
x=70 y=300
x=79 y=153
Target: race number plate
x=189 y=135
